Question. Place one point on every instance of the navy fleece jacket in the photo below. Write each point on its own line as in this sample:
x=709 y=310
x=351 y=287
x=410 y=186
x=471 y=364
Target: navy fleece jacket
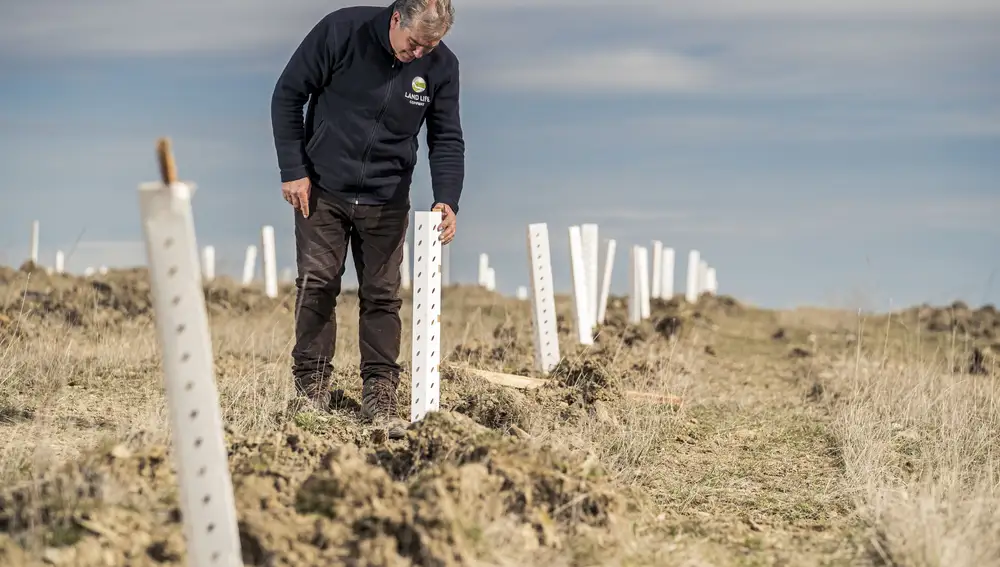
x=365 y=109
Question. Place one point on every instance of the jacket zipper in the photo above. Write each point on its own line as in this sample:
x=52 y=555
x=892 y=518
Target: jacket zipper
x=378 y=122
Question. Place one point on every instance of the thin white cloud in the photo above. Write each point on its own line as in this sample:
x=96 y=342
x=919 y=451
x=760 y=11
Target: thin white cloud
x=116 y=245
x=627 y=70
x=740 y=9
x=849 y=217
x=115 y=27
x=626 y=214
x=812 y=125
x=761 y=58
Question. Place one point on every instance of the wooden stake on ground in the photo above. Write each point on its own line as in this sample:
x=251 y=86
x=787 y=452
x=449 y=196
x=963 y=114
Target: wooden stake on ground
x=165 y=159
x=529 y=383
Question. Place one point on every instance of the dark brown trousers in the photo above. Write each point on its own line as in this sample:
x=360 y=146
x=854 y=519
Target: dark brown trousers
x=375 y=234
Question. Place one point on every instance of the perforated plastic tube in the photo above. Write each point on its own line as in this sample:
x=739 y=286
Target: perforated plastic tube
x=425 y=376
x=644 y=307
x=656 y=274
x=635 y=286
x=250 y=265
x=591 y=247
x=667 y=281
x=270 y=263
x=692 y=292
x=609 y=264
x=581 y=295
x=199 y=447
x=543 y=305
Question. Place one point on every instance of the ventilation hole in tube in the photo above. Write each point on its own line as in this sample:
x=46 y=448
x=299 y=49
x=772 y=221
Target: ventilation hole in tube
x=215 y=556
x=416 y=385
x=432 y=353
x=189 y=386
x=180 y=328
x=418 y=321
x=434 y=290
x=432 y=401
x=176 y=300
x=432 y=384
x=418 y=353
x=172 y=271
x=185 y=357
x=194 y=414
x=420 y=258
x=419 y=288
x=211 y=528
x=202 y=471
x=206 y=499
x=198 y=442
x=420 y=226
x=433 y=305
x=416 y=401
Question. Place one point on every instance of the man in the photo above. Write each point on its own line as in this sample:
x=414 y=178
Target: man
x=371 y=76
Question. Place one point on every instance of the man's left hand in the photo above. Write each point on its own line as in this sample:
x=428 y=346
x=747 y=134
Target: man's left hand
x=447 y=226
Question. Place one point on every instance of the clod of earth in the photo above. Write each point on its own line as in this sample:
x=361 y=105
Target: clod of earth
x=315 y=501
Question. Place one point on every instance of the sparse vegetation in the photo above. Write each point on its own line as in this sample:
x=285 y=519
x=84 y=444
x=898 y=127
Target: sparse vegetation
x=808 y=437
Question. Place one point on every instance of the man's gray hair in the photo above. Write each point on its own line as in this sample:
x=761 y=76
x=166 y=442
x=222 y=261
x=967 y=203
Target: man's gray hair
x=430 y=18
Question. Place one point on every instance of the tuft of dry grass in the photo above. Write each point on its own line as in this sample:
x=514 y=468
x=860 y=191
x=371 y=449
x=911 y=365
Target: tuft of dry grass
x=921 y=450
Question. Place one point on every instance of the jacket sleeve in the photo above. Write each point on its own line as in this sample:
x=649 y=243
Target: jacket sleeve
x=305 y=74
x=445 y=143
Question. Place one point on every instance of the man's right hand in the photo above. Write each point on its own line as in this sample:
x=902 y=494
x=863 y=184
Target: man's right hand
x=297 y=193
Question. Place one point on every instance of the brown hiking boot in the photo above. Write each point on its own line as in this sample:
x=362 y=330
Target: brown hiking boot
x=313 y=393
x=378 y=403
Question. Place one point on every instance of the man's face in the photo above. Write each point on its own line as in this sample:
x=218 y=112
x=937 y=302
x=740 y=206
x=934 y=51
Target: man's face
x=407 y=43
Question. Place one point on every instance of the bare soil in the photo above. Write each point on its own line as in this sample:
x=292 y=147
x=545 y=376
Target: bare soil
x=807 y=437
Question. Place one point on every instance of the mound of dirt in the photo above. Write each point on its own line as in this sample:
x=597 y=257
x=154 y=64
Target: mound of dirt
x=510 y=351
x=723 y=304
x=28 y=297
x=503 y=409
x=303 y=499
x=982 y=324
x=669 y=318
x=589 y=380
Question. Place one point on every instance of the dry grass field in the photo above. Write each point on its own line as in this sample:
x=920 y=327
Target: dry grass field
x=804 y=438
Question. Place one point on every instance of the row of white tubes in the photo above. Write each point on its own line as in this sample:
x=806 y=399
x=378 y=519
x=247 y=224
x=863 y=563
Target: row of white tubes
x=659 y=281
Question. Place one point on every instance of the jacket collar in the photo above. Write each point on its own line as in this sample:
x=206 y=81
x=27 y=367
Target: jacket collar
x=380 y=27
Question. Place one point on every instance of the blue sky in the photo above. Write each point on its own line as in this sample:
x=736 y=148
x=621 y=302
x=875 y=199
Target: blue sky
x=817 y=153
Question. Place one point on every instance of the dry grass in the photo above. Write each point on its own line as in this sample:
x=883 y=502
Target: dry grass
x=921 y=450
x=824 y=444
